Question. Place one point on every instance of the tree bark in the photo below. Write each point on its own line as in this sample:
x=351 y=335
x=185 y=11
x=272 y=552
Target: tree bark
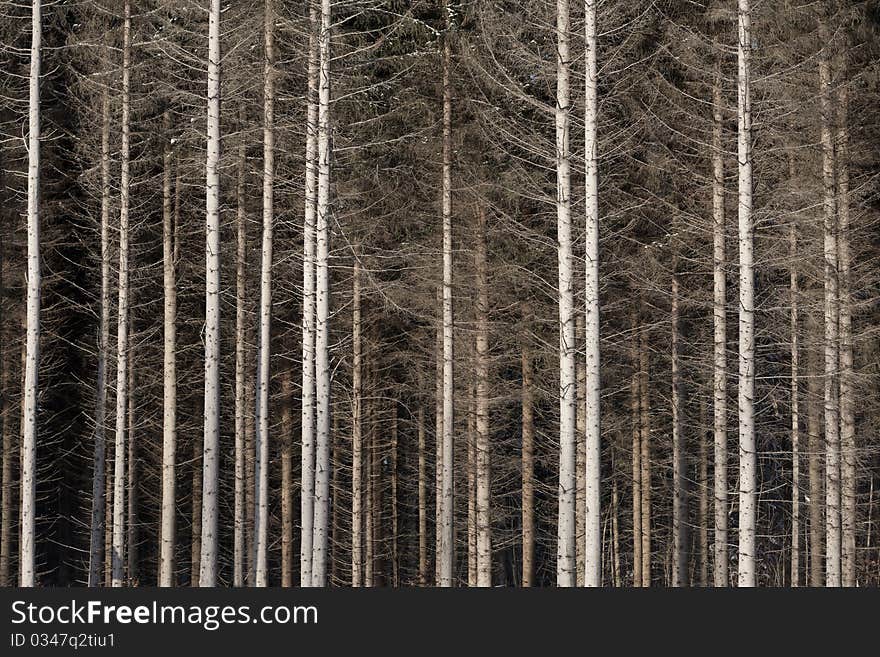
x=262 y=422
x=645 y=457
x=423 y=502
x=528 y=468
x=832 y=426
x=286 y=477
x=719 y=314
x=679 y=477
x=357 y=441
x=482 y=463
x=746 y=389
x=795 y=418
x=168 y=526
x=565 y=540
x=211 y=441
x=118 y=556
x=322 y=312
x=593 y=551
x=814 y=421
x=635 y=421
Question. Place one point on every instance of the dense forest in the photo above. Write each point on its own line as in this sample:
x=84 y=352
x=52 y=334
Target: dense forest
x=440 y=293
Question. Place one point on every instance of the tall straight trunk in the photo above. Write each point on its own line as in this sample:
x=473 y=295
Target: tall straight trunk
x=322 y=312
x=703 y=503
x=719 y=314
x=847 y=415
x=117 y=561
x=335 y=508
x=528 y=469
x=169 y=374
x=679 y=476
x=32 y=350
x=438 y=438
x=746 y=388
x=635 y=421
x=472 y=484
x=832 y=426
x=423 y=502
x=307 y=487
x=615 y=532
x=565 y=540
x=196 y=543
x=261 y=516
x=395 y=563
x=375 y=487
x=645 y=457
x=108 y=514
x=357 y=440
x=211 y=441
x=593 y=551
x=131 y=522
x=249 y=468
x=795 y=417
x=286 y=477
x=814 y=431
x=369 y=492
x=7 y=455
x=580 y=456
x=447 y=528
x=241 y=458
x=99 y=501
x=482 y=463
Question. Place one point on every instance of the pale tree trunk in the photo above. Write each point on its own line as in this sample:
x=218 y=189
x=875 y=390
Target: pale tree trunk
x=335 y=509
x=481 y=452
x=286 y=477
x=375 y=534
x=795 y=418
x=703 y=505
x=369 y=502
x=8 y=446
x=133 y=479
x=117 y=561
x=211 y=440
x=565 y=540
x=423 y=502
x=847 y=415
x=832 y=426
x=32 y=350
x=438 y=438
x=99 y=501
x=307 y=486
x=615 y=532
x=472 y=485
x=635 y=405
x=528 y=469
x=261 y=446
x=746 y=388
x=108 y=514
x=679 y=476
x=814 y=431
x=593 y=550
x=249 y=468
x=196 y=517
x=322 y=313
x=447 y=529
x=239 y=512
x=169 y=375
x=395 y=564
x=719 y=314
x=357 y=440
x=580 y=457
x=645 y=457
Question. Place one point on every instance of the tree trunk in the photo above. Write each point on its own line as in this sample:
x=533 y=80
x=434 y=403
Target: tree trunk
x=703 y=485
x=635 y=421
x=438 y=439
x=99 y=501
x=395 y=564
x=307 y=487
x=719 y=314
x=133 y=479
x=795 y=419
x=241 y=453
x=832 y=426
x=118 y=561
x=814 y=399
x=447 y=529
x=746 y=388
x=261 y=516
x=679 y=476
x=645 y=457
x=593 y=551
x=196 y=547
x=847 y=416
x=286 y=477
x=357 y=446
x=483 y=474
x=472 y=483
x=322 y=313
x=423 y=502
x=581 y=456
x=528 y=469
x=565 y=543
x=211 y=441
